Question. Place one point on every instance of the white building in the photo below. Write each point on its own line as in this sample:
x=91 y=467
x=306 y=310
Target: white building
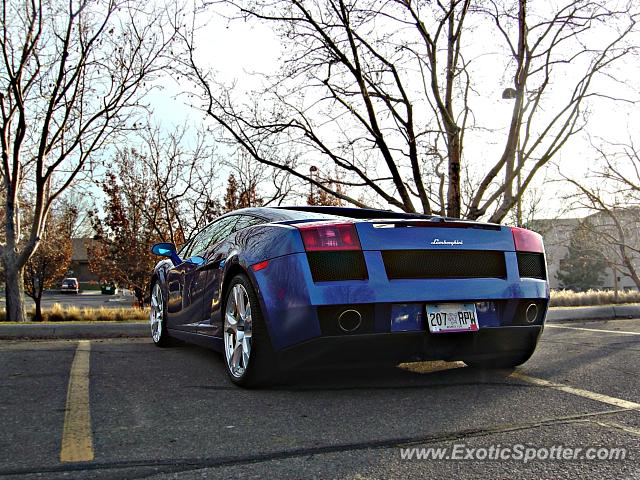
x=557 y=234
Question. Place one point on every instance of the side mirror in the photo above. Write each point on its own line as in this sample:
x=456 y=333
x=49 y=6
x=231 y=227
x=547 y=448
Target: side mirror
x=166 y=249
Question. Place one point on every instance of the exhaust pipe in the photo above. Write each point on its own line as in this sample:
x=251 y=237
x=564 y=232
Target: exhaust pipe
x=349 y=321
x=531 y=313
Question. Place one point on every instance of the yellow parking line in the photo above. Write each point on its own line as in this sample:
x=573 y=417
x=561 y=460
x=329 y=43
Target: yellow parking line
x=617 y=426
x=620 y=332
x=598 y=397
x=77 y=443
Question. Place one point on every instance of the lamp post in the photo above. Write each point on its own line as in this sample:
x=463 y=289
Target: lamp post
x=312 y=170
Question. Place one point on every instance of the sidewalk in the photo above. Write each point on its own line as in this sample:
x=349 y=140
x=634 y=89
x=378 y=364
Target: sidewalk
x=142 y=329
x=604 y=312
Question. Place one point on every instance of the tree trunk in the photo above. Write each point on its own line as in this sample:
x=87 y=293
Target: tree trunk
x=37 y=299
x=453 y=192
x=454 y=150
x=14 y=294
x=38 y=315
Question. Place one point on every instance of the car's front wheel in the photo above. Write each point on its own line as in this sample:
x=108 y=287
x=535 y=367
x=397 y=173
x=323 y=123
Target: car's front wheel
x=249 y=357
x=158 y=317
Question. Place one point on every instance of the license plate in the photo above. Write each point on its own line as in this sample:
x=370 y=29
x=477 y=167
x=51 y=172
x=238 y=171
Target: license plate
x=452 y=317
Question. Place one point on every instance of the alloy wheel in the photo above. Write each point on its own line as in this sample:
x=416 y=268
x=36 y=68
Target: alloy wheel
x=157 y=313
x=237 y=330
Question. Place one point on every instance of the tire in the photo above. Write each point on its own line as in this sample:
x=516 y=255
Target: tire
x=501 y=361
x=158 y=317
x=249 y=360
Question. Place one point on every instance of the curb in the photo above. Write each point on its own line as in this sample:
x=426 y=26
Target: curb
x=607 y=312
x=74 y=330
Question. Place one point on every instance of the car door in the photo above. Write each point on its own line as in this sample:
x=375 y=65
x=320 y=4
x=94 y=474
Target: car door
x=185 y=282
x=212 y=319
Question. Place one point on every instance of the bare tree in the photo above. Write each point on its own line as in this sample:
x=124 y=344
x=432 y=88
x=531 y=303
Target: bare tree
x=256 y=184
x=612 y=193
x=389 y=93
x=528 y=208
x=237 y=196
x=73 y=74
x=161 y=187
x=178 y=168
x=46 y=267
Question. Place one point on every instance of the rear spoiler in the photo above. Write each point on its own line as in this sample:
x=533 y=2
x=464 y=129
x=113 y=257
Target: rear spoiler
x=437 y=222
x=393 y=219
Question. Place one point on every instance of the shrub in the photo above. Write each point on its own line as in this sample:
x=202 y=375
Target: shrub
x=58 y=313
x=568 y=298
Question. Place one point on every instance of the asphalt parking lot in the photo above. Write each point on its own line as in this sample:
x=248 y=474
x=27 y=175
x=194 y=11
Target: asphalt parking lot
x=136 y=411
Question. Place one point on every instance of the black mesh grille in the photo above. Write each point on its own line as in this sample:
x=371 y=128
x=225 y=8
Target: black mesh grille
x=531 y=265
x=341 y=265
x=444 y=264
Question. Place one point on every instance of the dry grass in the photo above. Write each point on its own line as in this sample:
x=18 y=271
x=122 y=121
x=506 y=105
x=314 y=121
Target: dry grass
x=58 y=313
x=567 y=298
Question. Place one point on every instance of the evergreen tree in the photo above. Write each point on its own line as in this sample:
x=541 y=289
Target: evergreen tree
x=238 y=196
x=584 y=265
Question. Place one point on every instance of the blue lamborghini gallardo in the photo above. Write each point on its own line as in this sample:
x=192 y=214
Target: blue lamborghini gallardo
x=277 y=289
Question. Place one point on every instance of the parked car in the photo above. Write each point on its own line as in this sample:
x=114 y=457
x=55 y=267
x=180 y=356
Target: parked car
x=279 y=289
x=70 y=285
x=109 y=288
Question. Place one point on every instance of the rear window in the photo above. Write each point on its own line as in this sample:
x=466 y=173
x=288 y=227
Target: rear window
x=304 y=215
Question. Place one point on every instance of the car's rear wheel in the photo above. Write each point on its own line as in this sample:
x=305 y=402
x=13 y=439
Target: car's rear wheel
x=158 y=317
x=249 y=357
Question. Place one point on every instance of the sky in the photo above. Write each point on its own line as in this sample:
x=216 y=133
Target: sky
x=235 y=49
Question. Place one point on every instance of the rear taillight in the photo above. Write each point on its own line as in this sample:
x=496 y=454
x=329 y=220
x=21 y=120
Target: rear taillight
x=526 y=240
x=329 y=236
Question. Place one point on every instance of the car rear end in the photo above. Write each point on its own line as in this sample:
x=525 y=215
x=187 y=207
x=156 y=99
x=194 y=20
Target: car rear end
x=398 y=290
x=70 y=285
